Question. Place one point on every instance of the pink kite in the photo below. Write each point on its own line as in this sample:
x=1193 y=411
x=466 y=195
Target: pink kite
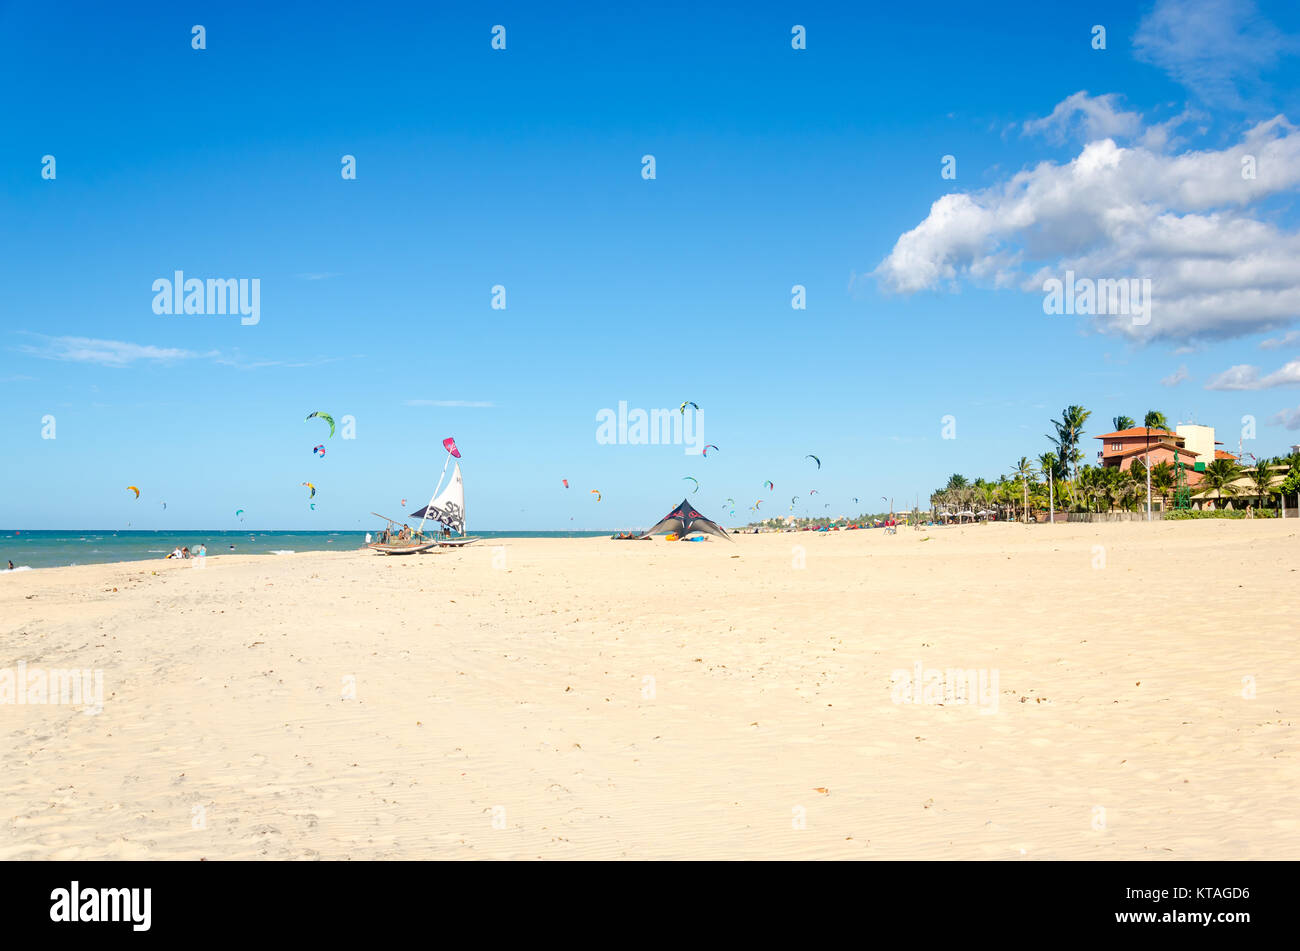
x=450 y=445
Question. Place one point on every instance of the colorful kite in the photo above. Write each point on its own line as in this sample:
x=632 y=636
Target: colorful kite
x=319 y=449
x=325 y=416
x=769 y=486
x=450 y=445
x=689 y=403
x=706 y=450
x=131 y=488
x=692 y=479
x=313 y=490
x=596 y=493
x=814 y=459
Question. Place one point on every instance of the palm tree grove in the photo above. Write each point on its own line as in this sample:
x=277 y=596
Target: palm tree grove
x=1058 y=482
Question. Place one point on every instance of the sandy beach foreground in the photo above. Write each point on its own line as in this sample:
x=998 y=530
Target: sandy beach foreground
x=586 y=698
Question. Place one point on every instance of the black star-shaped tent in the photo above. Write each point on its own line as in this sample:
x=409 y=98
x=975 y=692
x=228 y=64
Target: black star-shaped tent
x=685 y=519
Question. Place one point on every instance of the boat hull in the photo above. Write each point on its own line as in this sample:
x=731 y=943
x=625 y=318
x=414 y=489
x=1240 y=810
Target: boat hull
x=402 y=549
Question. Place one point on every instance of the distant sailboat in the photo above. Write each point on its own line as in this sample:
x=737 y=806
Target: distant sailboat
x=446 y=507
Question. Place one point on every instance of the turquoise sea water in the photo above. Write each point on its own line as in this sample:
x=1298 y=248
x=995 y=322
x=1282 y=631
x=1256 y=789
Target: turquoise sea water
x=50 y=549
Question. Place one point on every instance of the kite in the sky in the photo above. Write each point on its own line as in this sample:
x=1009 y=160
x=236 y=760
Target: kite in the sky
x=731 y=500
x=596 y=493
x=812 y=491
x=313 y=506
x=769 y=486
x=403 y=503
x=164 y=505
x=814 y=459
x=325 y=416
x=758 y=503
x=692 y=479
x=706 y=450
x=131 y=488
x=319 y=449
x=689 y=403
x=793 y=499
x=313 y=490
x=566 y=482
x=450 y=445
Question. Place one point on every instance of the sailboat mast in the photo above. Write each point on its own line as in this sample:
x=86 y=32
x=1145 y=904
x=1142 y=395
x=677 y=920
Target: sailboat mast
x=435 y=494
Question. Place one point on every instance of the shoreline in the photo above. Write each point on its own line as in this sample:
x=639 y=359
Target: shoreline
x=904 y=533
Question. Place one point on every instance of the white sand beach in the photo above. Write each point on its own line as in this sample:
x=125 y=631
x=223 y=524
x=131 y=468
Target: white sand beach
x=590 y=698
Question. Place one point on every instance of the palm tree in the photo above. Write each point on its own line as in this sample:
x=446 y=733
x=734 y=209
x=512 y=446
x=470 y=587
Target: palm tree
x=1123 y=422
x=1163 y=480
x=1049 y=465
x=1069 y=430
x=1006 y=493
x=1128 y=490
x=1024 y=471
x=1085 y=486
x=1291 y=483
x=1102 y=479
x=1221 y=476
x=1154 y=419
x=956 y=481
x=1261 y=477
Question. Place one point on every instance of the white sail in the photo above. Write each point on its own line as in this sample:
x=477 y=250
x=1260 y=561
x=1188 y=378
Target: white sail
x=448 y=507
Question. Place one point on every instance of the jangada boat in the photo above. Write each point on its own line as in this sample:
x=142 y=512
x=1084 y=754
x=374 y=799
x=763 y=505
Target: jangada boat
x=399 y=539
x=446 y=507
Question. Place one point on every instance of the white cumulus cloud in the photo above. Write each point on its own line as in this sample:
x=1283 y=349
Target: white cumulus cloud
x=1243 y=376
x=1185 y=221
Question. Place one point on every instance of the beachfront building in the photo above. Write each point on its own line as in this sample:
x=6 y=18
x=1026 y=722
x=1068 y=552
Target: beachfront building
x=1243 y=492
x=1120 y=448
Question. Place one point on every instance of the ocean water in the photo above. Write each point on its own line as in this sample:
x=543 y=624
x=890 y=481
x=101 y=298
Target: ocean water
x=51 y=549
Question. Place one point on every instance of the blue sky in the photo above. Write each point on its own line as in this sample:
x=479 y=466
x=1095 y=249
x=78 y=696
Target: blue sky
x=522 y=167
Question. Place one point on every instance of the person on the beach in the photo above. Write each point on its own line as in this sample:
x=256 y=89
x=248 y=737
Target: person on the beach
x=11 y=564
x=176 y=553
x=185 y=552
